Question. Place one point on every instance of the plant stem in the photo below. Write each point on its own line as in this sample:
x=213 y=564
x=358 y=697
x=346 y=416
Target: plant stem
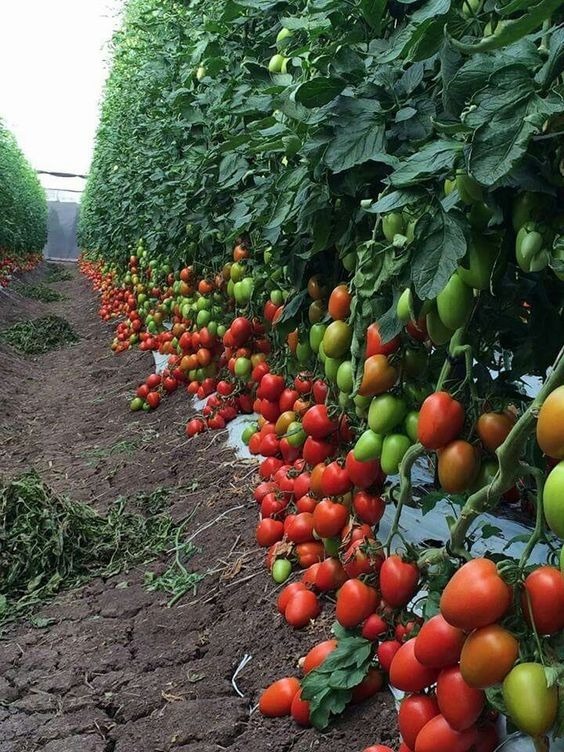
x=509 y=454
x=409 y=458
x=541 y=744
x=537 y=533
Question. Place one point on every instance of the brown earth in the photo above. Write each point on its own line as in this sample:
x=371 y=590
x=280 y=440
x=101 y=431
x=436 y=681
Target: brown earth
x=116 y=669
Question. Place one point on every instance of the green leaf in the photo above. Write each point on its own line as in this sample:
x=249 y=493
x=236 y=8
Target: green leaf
x=357 y=140
x=319 y=91
x=554 y=66
x=431 y=160
x=440 y=243
x=395 y=200
x=373 y=13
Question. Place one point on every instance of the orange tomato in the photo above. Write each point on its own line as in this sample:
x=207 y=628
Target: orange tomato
x=340 y=303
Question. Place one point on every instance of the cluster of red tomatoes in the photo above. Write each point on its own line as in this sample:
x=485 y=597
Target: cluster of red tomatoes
x=11 y=263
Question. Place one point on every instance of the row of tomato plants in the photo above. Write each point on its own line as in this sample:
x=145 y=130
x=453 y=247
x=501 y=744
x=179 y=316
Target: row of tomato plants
x=11 y=263
x=463 y=637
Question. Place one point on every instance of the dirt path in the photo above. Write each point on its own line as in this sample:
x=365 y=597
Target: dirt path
x=116 y=670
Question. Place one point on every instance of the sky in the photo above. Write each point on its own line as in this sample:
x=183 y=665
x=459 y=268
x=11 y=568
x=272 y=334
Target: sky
x=53 y=62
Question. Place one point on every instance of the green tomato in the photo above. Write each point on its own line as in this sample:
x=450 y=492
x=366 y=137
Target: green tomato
x=237 y=272
x=345 y=377
x=303 y=352
x=530 y=703
x=152 y=328
x=368 y=446
x=332 y=546
x=295 y=434
x=203 y=304
x=416 y=393
x=243 y=367
x=267 y=255
x=337 y=339
x=404 y=306
x=480 y=216
x=136 y=404
x=530 y=251
x=200 y=72
x=553 y=499
x=239 y=293
x=203 y=318
x=321 y=357
x=146 y=407
x=477 y=266
x=394 y=447
x=455 y=303
x=249 y=431
x=362 y=405
x=277 y=297
x=212 y=328
x=231 y=289
x=281 y=570
x=276 y=63
x=392 y=225
x=349 y=261
x=221 y=329
x=415 y=363
x=284 y=33
x=316 y=335
x=385 y=413
x=141 y=298
x=469 y=190
x=527 y=206
x=410 y=424
x=332 y=366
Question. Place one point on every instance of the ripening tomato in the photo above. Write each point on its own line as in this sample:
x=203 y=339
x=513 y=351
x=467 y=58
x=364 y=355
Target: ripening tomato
x=438 y=736
x=318 y=654
x=550 y=424
x=493 y=429
x=488 y=655
x=458 y=465
x=531 y=704
x=339 y=305
x=398 y=581
x=414 y=712
x=378 y=376
x=439 y=644
x=276 y=700
x=543 y=600
x=329 y=517
x=441 y=419
x=355 y=601
x=459 y=703
x=375 y=345
x=475 y=596
x=407 y=673
x=302 y=607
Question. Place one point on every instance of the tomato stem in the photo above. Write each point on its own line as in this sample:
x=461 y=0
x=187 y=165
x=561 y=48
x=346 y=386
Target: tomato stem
x=409 y=458
x=541 y=744
x=538 y=530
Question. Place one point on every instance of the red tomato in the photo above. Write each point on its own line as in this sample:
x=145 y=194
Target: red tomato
x=299 y=527
x=386 y=652
x=355 y=601
x=459 y=703
x=320 y=391
x=330 y=575
x=306 y=504
x=287 y=593
x=488 y=656
x=317 y=655
x=153 y=399
x=276 y=700
x=375 y=345
x=268 y=467
x=441 y=419
x=374 y=627
x=378 y=748
x=299 y=710
x=153 y=380
x=414 y=712
x=301 y=484
x=329 y=517
x=407 y=673
x=272 y=385
x=287 y=399
x=310 y=553
x=439 y=644
x=269 y=531
x=398 y=581
x=438 y=736
x=302 y=607
x=317 y=423
x=310 y=575
x=241 y=330
x=369 y=686
x=475 y=596
x=543 y=600
x=303 y=383
x=269 y=445
x=315 y=451
x=364 y=474
x=368 y=507
x=339 y=305
x=335 y=480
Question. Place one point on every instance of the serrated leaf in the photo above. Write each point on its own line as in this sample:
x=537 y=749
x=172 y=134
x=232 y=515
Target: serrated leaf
x=431 y=160
x=440 y=243
x=356 y=141
x=395 y=200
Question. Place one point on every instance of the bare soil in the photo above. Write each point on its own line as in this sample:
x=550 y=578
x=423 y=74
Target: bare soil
x=116 y=670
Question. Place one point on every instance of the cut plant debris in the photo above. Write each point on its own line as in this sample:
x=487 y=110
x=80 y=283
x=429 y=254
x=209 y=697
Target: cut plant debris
x=40 y=335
